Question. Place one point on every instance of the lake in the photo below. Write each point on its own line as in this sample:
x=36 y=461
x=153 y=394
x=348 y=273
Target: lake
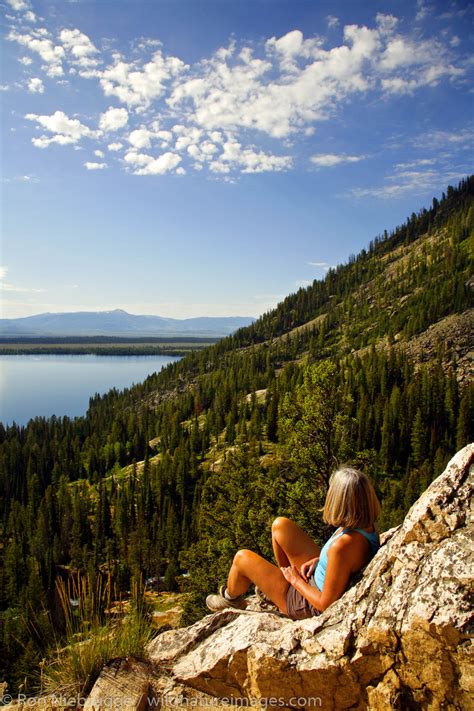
x=45 y=385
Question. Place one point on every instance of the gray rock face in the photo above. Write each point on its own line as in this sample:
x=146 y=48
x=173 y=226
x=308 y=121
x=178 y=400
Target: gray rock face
x=122 y=684
x=400 y=638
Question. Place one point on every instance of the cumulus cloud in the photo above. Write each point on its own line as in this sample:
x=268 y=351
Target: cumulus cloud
x=113 y=119
x=66 y=130
x=138 y=87
x=144 y=164
x=141 y=138
x=94 y=166
x=19 y=5
x=37 y=41
x=247 y=160
x=233 y=111
x=80 y=47
x=35 y=86
x=298 y=82
x=327 y=160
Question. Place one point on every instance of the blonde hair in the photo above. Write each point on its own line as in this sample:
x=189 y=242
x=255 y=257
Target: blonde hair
x=351 y=501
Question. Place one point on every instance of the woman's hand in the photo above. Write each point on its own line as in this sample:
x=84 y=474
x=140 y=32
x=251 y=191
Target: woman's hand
x=308 y=568
x=291 y=574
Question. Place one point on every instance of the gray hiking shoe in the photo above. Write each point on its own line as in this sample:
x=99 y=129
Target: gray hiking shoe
x=219 y=602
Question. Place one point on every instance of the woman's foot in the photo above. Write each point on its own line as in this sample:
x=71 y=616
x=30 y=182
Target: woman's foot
x=220 y=602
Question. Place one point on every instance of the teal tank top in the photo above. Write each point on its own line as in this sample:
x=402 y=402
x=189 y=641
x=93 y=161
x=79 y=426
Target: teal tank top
x=320 y=571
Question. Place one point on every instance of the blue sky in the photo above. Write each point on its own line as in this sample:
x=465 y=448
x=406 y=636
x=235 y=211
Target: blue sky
x=189 y=157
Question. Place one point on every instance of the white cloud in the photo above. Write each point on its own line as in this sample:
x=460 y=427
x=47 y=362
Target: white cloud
x=415 y=163
x=386 y=23
x=303 y=283
x=141 y=138
x=30 y=16
x=327 y=160
x=26 y=61
x=423 y=10
x=51 y=54
x=423 y=63
x=321 y=265
x=214 y=114
x=298 y=82
x=462 y=138
x=80 y=47
x=165 y=136
x=10 y=287
x=94 y=166
x=19 y=5
x=147 y=165
x=137 y=86
x=413 y=178
x=99 y=154
x=22 y=179
x=247 y=160
x=113 y=119
x=66 y=130
x=187 y=135
x=35 y=86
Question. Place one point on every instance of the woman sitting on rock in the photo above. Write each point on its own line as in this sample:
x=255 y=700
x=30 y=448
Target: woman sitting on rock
x=309 y=578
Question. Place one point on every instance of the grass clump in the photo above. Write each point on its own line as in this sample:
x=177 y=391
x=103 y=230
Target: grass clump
x=93 y=636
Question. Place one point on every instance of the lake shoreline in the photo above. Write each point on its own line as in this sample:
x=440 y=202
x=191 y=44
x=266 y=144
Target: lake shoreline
x=103 y=345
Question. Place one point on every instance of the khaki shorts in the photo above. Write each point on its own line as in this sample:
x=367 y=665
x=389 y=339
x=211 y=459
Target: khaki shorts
x=298 y=608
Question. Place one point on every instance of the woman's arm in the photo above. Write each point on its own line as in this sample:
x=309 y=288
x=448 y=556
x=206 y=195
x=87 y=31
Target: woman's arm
x=338 y=571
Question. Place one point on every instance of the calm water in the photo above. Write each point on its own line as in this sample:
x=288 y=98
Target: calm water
x=45 y=385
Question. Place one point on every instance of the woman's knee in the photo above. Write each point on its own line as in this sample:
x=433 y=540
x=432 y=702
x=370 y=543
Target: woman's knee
x=241 y=557
x=280 y=524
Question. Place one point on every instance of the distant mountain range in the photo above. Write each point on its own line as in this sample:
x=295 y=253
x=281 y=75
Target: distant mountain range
x=118 y=323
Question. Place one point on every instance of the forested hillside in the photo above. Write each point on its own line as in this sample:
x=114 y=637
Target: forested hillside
x=174 y=474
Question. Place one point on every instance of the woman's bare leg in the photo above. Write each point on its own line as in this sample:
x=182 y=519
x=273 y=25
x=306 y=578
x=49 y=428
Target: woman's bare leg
x=291 y=545
x=247 y=568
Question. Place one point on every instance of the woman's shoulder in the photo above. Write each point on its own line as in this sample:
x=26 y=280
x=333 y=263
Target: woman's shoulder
x=353 y=538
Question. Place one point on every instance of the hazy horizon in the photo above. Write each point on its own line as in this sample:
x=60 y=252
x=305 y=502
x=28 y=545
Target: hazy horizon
x=129 y=313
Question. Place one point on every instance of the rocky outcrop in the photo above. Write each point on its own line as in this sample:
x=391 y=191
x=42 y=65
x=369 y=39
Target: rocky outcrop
x=398 y=639
x=122 y=684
